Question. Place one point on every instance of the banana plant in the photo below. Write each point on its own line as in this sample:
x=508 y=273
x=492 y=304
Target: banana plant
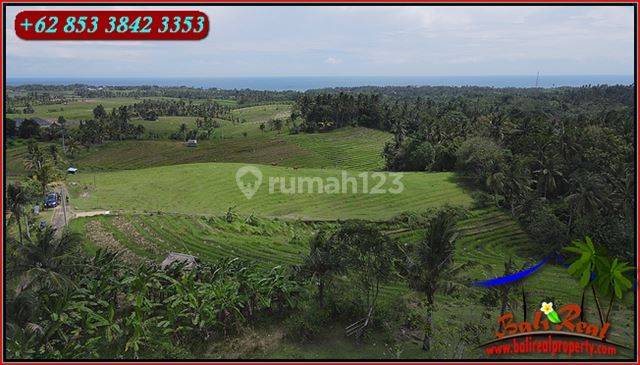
x=611 y=280
x=583 y=267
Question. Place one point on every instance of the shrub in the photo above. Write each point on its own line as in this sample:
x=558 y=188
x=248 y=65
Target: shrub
x=478 y=157
x=546 y=228
x=307 y=324
x=481 y=199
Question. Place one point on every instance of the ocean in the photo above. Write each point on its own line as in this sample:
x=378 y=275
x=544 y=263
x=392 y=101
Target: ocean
x=302 y=83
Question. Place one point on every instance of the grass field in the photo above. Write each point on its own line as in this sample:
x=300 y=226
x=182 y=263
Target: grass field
x=268 y=242
x=262 y=112
x=15 y=161
x=211 y=189
x=164 y=126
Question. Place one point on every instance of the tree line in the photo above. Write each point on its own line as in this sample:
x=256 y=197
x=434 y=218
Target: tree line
x=150 y=109
x=50 y=94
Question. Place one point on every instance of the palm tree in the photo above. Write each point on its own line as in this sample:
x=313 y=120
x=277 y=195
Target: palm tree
x=43 y=171
x=549 y=175
x=17 y=198
x=41 y=167
x=518 y=183
x=54 y=153
x=586 y=198
x=430 y=262
x=496 y=182
x=72 y=147
x=322 y=262
x=43 y=260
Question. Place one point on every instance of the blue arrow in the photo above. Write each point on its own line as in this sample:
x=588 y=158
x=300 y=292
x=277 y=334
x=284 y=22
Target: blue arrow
x=502 y=280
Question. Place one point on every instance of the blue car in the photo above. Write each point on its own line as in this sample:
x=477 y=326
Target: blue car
x=52 y=200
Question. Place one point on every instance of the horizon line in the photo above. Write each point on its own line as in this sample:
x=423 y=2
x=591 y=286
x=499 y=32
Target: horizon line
x=297 y=76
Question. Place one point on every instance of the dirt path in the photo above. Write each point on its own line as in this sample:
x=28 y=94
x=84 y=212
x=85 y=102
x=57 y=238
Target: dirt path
x=58 y=218
x=90 y=213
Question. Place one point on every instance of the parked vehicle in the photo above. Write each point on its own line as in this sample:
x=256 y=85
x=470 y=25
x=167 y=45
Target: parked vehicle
x=52 y=200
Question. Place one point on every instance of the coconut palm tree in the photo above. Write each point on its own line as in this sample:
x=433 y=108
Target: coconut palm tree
x=430 y=262
x=40 y=167
x=586 y=198
x=322 y=262
x=17 y=198
x=44 y=259
x=72 y=147
x=54 y=152
x=549 y=175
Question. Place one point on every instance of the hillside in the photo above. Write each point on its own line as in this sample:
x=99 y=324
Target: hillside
x=210 y=188
x=348 y=148
x=489 y=238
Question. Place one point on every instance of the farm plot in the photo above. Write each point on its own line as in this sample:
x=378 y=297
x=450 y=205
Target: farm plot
x=211 y=188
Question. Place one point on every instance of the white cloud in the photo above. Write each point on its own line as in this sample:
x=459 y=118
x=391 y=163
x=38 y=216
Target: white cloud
x=333 y=61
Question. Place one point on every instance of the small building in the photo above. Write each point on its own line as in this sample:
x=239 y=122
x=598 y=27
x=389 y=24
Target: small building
x=189 y=260
x=43 y=123
x=191 y=143
x=72 y=170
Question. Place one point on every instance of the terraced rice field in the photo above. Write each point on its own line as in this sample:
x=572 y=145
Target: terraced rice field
x=488 y=238
x=152 y=236
x=353 y=148
x=348 y=148
x=211 y=188
x=127 y=155
x=15 y=157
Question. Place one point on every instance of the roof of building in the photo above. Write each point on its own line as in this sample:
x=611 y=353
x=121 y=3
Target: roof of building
x=41 y=122
x=190 y=260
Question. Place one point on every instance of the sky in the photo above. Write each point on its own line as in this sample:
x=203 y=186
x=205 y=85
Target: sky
x=353 y=41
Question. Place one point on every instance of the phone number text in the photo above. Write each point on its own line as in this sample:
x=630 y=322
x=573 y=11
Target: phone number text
x=112 y=25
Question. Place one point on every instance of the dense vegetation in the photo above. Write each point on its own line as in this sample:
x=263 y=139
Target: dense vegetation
x=69 y=306
x=298 y=269
x=561 y=160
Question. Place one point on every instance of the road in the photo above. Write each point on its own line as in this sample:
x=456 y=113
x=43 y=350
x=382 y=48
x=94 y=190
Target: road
x=58 y=219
